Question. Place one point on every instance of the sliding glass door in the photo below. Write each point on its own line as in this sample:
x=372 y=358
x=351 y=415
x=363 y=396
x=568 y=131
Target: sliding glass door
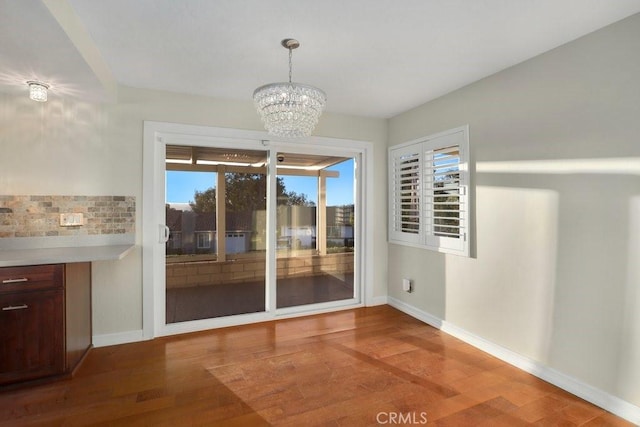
x=216 y=214
x=315 y=229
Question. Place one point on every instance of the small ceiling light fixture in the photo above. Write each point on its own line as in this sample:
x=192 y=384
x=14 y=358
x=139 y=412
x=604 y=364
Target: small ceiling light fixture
x=289 y=110
x=38 y=91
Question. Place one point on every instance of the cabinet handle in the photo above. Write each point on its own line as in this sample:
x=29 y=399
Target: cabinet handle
x=15 y=307
x=22 y=279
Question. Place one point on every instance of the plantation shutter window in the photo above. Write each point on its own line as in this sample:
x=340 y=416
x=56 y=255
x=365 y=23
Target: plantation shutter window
x=438 y=194
x=405 y=187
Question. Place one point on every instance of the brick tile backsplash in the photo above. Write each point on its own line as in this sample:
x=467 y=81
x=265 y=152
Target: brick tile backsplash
x=39 y=216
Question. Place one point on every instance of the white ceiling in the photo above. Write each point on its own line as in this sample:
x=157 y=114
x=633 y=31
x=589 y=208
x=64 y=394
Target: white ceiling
x=372 y=57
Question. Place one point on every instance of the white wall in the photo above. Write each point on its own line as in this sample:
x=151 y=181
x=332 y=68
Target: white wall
x=69 y=147
x=556 y=272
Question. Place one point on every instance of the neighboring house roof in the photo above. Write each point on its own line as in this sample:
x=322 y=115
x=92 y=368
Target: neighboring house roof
x=174 y=219
x=205 y=222
x=180 y=206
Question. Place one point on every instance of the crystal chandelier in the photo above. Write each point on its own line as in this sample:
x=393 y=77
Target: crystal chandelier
x=289 y=109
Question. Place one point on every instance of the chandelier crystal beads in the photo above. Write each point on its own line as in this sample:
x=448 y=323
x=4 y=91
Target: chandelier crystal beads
x=288 y=109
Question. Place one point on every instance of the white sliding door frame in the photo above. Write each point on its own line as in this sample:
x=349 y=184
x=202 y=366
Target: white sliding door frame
x=158 y=134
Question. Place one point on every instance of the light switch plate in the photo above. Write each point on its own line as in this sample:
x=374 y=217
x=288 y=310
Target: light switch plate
x=71 y=219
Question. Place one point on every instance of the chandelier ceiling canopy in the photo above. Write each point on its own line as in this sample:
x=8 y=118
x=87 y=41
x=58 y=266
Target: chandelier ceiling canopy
x=288 y=109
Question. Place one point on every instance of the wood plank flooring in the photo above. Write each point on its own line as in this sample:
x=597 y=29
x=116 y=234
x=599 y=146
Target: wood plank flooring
x=360 y=367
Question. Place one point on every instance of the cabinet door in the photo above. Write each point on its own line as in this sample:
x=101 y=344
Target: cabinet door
x=31 y=335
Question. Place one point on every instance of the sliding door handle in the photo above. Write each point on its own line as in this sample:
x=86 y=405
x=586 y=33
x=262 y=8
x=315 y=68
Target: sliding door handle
x=165 y=232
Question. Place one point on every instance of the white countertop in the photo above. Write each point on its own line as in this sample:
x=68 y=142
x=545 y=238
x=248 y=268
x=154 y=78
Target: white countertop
x=17 y=257
x=37 y=251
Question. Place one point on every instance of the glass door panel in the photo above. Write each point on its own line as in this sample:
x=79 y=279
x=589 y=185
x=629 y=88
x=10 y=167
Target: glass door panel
x=216 y=214
x=315 y=229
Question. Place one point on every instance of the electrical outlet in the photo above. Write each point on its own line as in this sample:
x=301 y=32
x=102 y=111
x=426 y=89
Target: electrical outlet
x=71 y=219
x=406 y=285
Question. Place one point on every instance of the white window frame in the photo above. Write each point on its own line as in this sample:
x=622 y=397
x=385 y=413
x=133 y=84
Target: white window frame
x=411 y=197
x=206 y=240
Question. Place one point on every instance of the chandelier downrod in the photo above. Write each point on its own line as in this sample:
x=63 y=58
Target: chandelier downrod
x=290 y=44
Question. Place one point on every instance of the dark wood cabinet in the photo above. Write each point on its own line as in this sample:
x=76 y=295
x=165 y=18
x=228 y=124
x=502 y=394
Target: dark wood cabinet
x=31 y=334
x=45 y=320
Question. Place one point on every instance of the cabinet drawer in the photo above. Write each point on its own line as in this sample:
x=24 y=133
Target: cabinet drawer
x=31 y=277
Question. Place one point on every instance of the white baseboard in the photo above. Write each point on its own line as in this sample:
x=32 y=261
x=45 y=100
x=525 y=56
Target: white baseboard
x=118 y=338
x=427 y=318
x=381 y=300
x=606 y=401
x=134 y=336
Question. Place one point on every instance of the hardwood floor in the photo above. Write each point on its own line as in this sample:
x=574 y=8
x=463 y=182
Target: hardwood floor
x=366 y=366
